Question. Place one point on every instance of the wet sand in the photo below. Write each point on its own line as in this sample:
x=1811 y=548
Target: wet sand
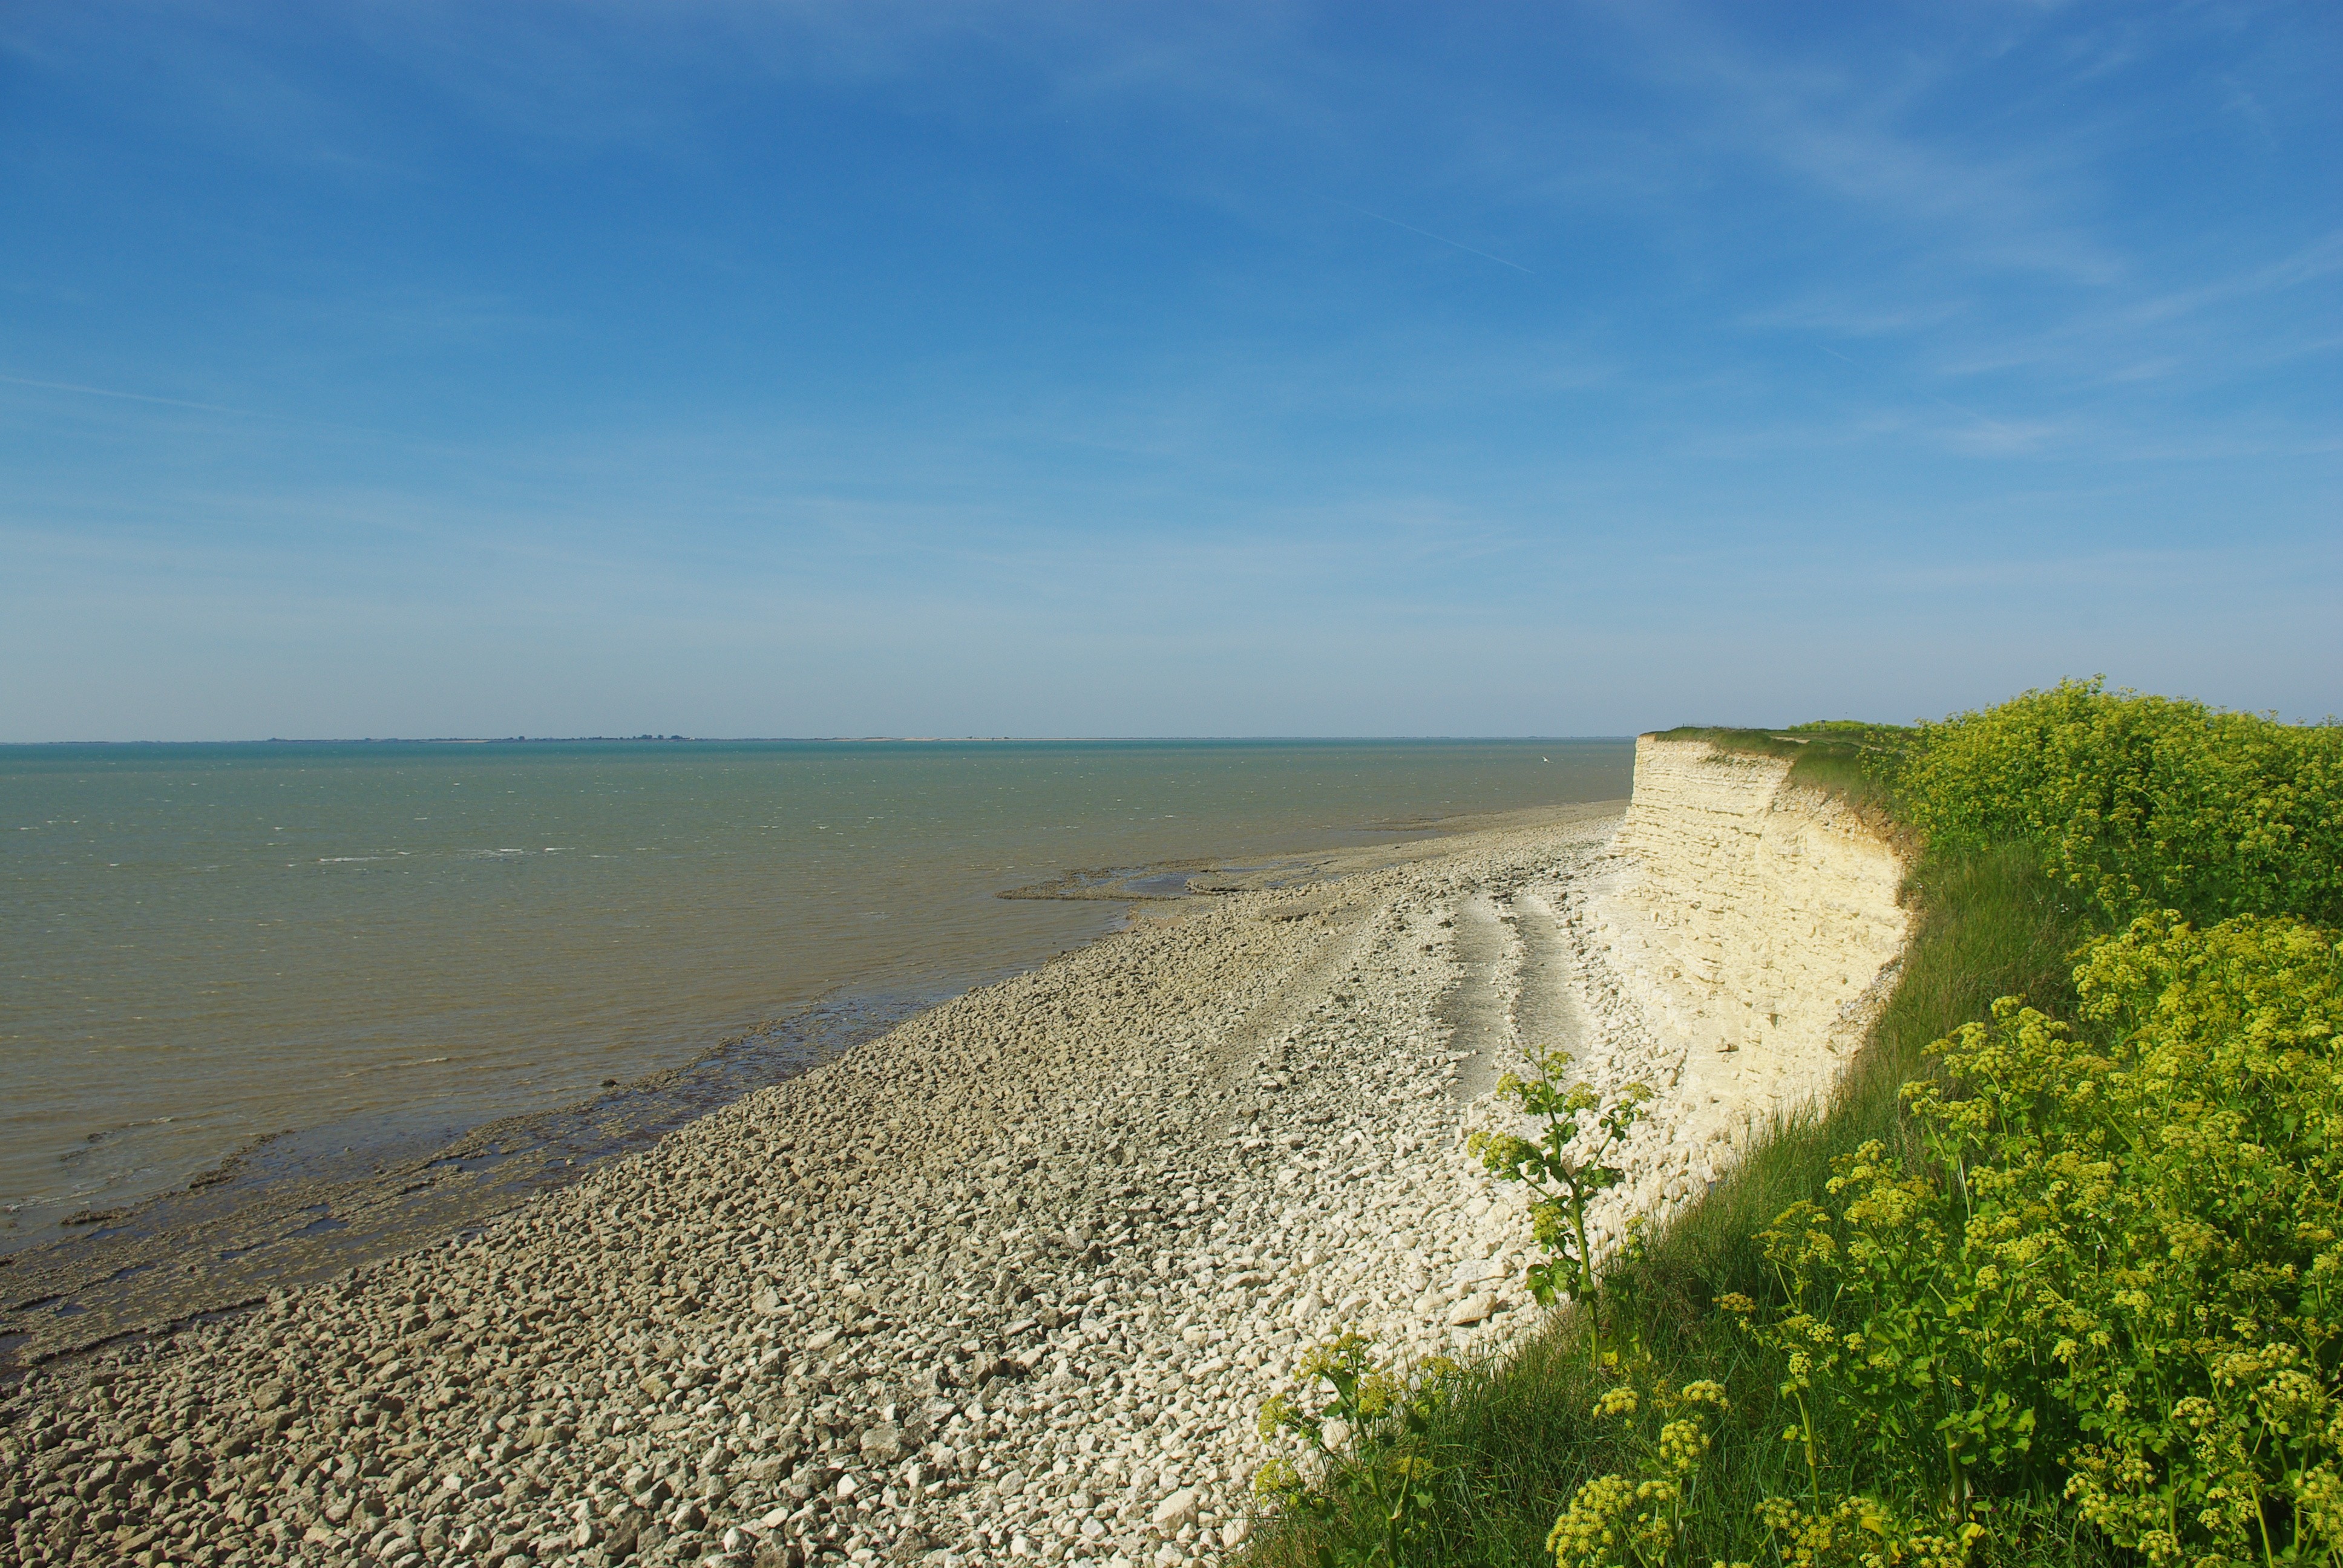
x=277 y=1215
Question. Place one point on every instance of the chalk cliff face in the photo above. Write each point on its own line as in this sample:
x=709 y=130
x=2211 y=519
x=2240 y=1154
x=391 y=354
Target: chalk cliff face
x=1752 y=923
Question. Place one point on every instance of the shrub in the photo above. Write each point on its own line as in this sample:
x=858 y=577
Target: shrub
x=2141 y=803
x=2123 y=1255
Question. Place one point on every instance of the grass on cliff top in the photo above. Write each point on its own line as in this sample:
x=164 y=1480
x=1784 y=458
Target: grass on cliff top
x=1835 y=755
x=1516 y=1441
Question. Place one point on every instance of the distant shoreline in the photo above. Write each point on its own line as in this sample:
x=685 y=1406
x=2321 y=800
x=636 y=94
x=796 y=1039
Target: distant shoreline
x=830 y=740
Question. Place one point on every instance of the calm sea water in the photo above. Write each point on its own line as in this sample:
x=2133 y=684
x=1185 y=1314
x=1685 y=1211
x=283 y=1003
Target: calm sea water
x=202 y=943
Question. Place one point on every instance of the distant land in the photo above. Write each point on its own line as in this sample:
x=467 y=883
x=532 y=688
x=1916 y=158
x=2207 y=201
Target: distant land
x=799 y=739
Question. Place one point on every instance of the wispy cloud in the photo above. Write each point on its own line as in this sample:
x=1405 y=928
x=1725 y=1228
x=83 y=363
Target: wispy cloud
x=2322 y=258
x=1852 y=137
x=1842 y=317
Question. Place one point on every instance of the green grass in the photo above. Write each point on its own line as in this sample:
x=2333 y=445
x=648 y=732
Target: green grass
x=1834 y=756
x=1515 y=1442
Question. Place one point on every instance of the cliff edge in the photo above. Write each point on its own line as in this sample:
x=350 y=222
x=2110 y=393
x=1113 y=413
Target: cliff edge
x=1750 y=925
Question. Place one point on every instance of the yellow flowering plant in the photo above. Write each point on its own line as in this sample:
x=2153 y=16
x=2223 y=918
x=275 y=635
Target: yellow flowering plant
x=1359 y=1430
x=1619 y=1521
x=2139 y=803
x=2121 y=1258
x=1563 y=1169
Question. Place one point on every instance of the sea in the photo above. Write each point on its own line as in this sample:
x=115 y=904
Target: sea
x=365 y=942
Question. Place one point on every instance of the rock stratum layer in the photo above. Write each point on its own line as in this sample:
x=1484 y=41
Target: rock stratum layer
x=1010 y=1282
x=1756 y=922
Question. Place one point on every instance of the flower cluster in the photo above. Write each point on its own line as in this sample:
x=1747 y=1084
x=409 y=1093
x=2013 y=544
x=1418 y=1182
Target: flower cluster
x=2119 y=1259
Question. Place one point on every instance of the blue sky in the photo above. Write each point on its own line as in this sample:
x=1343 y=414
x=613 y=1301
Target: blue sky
x=741 y=368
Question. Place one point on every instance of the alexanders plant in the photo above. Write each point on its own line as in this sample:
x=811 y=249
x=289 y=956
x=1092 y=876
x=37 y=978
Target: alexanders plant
x=1359 y=1430
x=1565 y=1169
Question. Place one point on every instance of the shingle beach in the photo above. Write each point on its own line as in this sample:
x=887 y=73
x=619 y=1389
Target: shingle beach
x=1009 y=1283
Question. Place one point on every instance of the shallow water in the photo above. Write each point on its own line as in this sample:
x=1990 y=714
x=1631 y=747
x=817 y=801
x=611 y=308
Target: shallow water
x=382 y=941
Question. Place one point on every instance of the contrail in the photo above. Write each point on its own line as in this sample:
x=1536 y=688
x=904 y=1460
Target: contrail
x=184 y=403
x=136 y=397
x=1427 y=234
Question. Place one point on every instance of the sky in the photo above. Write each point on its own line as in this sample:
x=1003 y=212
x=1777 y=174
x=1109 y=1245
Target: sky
x=719 y=368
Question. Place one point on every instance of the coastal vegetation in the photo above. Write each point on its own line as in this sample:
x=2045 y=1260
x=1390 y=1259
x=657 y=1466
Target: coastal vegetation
x=1838 y=757
x=2053 y=1280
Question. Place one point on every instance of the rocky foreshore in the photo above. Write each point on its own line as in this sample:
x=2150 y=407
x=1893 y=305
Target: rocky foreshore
x=1010 y=1282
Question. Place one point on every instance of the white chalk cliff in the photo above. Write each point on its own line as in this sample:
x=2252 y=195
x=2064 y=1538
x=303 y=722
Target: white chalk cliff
x=1734 y=948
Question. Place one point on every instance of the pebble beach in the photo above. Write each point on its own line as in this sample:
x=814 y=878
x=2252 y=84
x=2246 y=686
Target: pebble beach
x=1006 y=1284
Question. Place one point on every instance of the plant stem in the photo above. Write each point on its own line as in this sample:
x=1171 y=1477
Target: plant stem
x=1589 y=1297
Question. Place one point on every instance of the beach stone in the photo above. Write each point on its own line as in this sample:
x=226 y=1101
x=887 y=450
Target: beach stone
x=1050 y=1342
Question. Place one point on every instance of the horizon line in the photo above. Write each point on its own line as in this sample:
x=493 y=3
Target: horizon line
x=780 y=739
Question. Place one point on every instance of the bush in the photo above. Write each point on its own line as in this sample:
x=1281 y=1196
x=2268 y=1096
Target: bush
x=2121 y=1258
x=2140 y=803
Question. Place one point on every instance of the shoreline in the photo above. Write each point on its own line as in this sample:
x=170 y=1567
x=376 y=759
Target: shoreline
x=255 y=1229
x=402 y=979
x=279 y=1213
x=1008 y=1282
